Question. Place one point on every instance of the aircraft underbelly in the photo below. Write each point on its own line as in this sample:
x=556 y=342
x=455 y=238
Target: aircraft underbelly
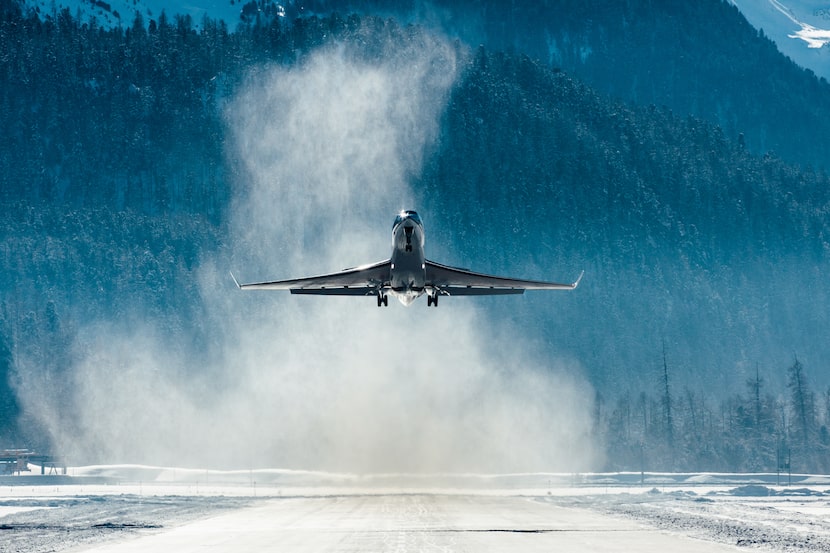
x=407 y=272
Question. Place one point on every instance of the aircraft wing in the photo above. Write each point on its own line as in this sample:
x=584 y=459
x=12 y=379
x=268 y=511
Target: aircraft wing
x=453 y=281
x=359 y=281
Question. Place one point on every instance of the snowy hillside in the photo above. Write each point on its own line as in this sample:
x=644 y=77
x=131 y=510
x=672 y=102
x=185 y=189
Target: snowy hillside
x=123 y=12
x=139 y=167
x=800 y=29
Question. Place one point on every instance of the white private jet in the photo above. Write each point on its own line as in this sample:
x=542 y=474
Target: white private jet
x=406 y=275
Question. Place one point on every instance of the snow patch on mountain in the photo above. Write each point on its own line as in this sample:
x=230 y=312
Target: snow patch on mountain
x=800 y=29
x=814 y=37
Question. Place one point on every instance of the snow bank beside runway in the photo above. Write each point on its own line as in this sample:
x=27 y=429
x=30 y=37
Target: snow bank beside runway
x=159 y=504
x=160 y=481
x=147 y=473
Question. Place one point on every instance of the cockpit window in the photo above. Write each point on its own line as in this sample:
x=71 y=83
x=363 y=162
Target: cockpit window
x=408 y=214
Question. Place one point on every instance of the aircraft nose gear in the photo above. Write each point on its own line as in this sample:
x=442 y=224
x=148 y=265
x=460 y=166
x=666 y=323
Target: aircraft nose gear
x=383 y=300
x=432 y=299
x=408 y=231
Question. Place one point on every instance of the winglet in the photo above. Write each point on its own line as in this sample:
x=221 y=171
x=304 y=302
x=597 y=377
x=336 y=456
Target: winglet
x=237 y=282
x=582 y=274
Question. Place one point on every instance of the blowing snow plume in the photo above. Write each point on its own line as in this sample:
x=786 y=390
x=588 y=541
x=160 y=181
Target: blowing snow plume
x=326 y=149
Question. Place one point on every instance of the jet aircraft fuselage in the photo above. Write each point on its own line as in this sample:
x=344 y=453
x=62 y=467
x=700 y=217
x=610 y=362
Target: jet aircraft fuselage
x=407 y=272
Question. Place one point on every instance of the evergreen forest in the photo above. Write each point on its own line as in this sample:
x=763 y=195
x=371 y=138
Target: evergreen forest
x=699 y=215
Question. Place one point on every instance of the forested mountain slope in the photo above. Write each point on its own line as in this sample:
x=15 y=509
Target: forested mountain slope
x=662 y=211
x=116 y=183
x=700 y=58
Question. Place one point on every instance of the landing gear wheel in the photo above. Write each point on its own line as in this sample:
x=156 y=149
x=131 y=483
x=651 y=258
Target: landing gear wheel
x=432 y=300
x=383 y=300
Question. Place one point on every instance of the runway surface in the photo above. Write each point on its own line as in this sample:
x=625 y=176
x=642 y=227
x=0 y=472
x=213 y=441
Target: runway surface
x=413 y=522
x=134 y=508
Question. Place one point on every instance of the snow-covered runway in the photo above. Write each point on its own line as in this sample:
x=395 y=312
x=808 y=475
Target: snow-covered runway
x=412 y=523
x=141 y=509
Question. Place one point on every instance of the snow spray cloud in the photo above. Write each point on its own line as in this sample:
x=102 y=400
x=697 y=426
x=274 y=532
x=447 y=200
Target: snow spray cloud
x=326 y=150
